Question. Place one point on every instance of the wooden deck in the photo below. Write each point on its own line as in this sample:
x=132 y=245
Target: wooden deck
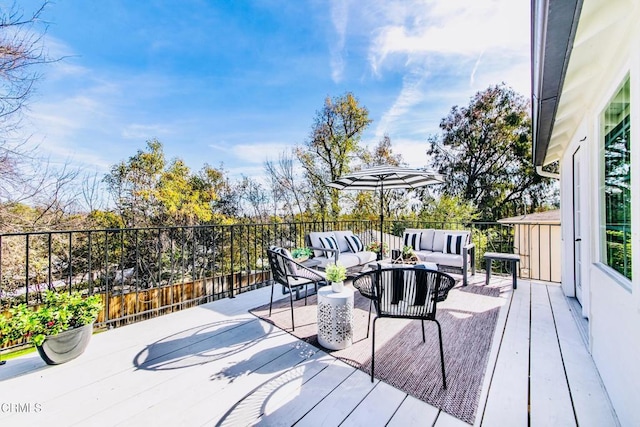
x=218 y=364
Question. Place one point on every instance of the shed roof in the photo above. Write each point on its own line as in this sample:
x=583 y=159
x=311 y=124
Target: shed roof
x=546 y=217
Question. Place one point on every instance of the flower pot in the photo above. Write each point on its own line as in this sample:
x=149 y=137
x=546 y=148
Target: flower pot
x=337 y=286
x=65 y=346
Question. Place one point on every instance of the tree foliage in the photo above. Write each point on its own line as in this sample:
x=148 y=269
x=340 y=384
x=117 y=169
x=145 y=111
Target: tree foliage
x=328 y=152
x=148 y=191
x=484 y=152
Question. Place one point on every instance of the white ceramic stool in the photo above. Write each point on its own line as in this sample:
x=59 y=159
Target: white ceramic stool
x=335 y=318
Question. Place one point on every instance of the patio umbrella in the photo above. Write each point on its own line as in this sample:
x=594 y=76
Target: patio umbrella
x=386 y=177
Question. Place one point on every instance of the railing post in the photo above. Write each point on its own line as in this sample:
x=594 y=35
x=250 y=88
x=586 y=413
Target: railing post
x=232 y=269
x=50 y=286
x=26 y=270
x=70 y=263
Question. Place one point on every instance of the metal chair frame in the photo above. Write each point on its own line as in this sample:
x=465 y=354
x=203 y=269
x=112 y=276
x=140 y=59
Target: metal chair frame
x=281 y=276
x=405 y=293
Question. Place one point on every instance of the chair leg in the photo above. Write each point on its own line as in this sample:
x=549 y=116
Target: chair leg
x=271 y=302
x=293 y=325
x=444 y=377
x=306 y=292
x=373 y=348
x=423 y=337
x=369 y=320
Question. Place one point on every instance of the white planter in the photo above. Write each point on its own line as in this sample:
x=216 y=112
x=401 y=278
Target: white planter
x=337 y=286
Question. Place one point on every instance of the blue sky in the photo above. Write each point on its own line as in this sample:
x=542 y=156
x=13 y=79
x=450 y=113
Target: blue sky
x=238 y=82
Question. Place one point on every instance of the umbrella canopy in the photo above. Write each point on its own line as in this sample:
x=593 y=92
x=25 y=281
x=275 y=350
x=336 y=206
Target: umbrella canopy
x=386 y=178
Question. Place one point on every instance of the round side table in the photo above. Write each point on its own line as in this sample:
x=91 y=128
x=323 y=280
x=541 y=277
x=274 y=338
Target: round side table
x=335 y=318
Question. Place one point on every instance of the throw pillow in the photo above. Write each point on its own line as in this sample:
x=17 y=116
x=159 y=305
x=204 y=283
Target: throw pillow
x=329 y=243
x=355 y=244
x=412 y=240
x=289 y=264
x=453 y=244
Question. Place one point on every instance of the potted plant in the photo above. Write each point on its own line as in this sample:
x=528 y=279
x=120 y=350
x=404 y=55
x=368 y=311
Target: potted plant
x=301 y=254
x=336 y=274
x=408 y=255
x=60 y=328
x=381 y=250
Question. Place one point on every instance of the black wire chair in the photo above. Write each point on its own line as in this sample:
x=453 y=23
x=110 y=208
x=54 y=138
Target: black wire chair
x=292 y=275
x=405 y=293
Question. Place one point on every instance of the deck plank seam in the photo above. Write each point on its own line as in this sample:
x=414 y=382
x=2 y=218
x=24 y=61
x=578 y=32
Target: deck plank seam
x=397 y=409
x=377 y=381
x=495 y=364
x=326 y=395
x=564 y=368
x=529 y=357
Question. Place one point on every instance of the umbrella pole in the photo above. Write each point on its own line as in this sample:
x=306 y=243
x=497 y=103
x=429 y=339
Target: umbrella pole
x=380 y=256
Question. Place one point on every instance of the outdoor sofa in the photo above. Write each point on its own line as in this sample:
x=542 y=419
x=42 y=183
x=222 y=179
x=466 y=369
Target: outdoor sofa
x=338 y=246
x=449 y=249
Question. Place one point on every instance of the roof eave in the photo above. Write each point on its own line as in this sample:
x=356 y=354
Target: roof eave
x=553 y=29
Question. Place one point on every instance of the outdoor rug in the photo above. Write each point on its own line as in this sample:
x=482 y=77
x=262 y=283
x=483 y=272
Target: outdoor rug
x=468 y=318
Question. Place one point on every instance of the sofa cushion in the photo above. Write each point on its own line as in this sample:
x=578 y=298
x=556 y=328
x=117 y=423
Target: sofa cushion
x=422 y=255
x=341 y=238
x=450 y=260
x=412 y=240
x=453 y=243
x=314 y=237
x=438 y=241
x=365 y=257
x=427 y=239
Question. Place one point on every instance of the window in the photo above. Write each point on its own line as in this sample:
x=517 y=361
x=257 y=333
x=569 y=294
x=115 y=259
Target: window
x=615 y=190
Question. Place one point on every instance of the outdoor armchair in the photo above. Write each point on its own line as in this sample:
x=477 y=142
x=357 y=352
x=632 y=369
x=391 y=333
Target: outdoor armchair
x=405 y=293
x=292 y=275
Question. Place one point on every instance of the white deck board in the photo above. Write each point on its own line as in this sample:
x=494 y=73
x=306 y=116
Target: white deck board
x=377 y=408
x=337 y=405
x=590 y=399
x=446 y=420
x=414 y=412
x=507 y=397
x=217 y=363
x=550 y=399
x=210 y=407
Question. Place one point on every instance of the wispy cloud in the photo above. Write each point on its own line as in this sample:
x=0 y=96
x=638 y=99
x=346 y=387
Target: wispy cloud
x=451 y=27
x=339 y=18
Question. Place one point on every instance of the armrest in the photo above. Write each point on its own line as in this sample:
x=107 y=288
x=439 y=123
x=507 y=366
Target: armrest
x=336 y=252
x=308 y=273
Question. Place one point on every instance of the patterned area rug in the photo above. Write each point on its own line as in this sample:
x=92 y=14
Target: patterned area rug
x=468 y=318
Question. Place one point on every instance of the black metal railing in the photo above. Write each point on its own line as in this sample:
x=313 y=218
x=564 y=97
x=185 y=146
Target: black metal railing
x=145 y=272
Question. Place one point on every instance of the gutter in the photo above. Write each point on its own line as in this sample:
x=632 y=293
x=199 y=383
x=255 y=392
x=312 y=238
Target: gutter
x=546 y=174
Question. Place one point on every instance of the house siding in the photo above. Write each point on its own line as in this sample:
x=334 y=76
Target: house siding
x=610 y=302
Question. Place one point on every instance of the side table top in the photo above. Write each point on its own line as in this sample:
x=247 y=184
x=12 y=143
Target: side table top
x=326 y=292
x=502 y=256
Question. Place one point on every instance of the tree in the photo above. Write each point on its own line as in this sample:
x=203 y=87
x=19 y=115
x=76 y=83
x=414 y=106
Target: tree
x=484 y=153
x=329 y=150
x=367 y=203
x=287 y=187
x=21 y=49
x=147 y=191
x=132 y=185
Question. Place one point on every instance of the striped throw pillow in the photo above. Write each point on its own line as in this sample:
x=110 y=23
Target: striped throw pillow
x=329 y=243
x=355 y=244
x=453 y=244
x=412 y=240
